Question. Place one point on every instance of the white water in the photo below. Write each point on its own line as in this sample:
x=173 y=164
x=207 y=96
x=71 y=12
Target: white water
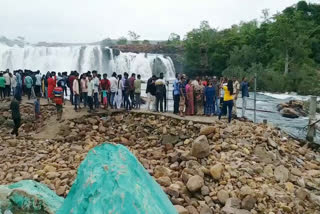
x=83 y=59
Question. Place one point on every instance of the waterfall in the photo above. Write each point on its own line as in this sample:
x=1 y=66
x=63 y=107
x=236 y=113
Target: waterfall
x=83 y=59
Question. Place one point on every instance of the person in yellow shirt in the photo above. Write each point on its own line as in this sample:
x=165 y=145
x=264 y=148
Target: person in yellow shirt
x=227 y=100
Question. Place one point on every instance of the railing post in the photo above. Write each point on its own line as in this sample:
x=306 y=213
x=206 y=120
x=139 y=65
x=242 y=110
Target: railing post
x=312 y=119
x=255 y=98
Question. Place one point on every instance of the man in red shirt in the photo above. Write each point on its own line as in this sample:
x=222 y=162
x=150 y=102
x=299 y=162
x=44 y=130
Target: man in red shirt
x=105 y=86
x=59 y=100
x=70 y=84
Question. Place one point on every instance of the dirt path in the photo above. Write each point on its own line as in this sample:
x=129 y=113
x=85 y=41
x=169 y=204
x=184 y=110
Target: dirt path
x=52 y=126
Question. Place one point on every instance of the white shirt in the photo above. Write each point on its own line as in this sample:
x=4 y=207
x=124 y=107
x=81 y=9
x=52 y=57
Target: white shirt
x=160 y=82
x=13 y=81
x=38 y=79
x=90 y=88
x=113 y=84
x=7 y=77
x=96 y=84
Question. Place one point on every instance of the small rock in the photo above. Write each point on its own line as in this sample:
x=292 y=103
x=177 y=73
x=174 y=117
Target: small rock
x=181 y=210
x=248 y=202
x=216 y=171
x=195 y=183
x=205 y=190
x=164 y=181
x=301 y=194
x=223 y=196
x=205 y=209
x=207 y=130
x=200 y=147
x=281 y=174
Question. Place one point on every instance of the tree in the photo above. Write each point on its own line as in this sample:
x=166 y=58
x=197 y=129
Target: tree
x=134 y=37
x=146 y=42
x=106 y=42
x=174 y=39
x=122 y=41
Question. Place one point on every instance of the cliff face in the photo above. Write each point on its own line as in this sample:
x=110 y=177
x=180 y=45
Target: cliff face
x=174 y=52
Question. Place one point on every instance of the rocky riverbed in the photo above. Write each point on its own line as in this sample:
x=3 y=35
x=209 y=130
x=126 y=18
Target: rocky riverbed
x=204 y=168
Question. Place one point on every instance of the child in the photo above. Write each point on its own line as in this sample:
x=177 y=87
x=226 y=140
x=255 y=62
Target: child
x=37 y=112
x=59 y=100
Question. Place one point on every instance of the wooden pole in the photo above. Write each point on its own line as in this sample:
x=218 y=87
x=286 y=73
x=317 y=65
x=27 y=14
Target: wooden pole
x=312 y=117
x=255 y=99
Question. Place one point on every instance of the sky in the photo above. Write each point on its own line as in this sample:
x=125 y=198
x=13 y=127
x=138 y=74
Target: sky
x=94 y=20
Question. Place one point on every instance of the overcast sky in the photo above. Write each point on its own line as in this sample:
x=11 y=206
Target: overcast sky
x=94 y=20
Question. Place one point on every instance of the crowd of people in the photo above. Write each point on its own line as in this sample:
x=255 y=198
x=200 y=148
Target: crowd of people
x=209 y=96
x=91 y=90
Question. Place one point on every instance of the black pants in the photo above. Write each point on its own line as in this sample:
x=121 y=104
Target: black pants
x=90 y=102
x=96 y=100
x=76 y=101
x=176 y=100
x=65 y=90
x=159 y=101
x=84 y=96
x=133 y=102
x=127 y=101
x=229 y=105
x=37 y=89
x=17 y=123
x=7 y=90
x=28 y=93
x=2 y=92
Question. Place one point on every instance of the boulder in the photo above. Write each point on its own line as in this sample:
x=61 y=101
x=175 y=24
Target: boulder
x=195 y=183
x=289 y=113
x=111 y=173
x=200 y=147
x=29 y=197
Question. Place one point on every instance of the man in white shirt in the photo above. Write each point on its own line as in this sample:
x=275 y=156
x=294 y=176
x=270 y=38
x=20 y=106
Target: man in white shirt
x=90 y=93
x=38 y=84
x=76 y=92
x=236 y=90
x=6 y=75
x=96 y=84
x=113 y=87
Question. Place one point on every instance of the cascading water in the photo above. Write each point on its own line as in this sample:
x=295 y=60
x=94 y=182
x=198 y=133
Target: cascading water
x=83 y=59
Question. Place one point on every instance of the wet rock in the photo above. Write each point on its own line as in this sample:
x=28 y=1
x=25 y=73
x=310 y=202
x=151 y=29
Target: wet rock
x=200 y=147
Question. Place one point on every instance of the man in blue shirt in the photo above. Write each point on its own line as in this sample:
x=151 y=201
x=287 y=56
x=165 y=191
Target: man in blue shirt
x=245 y=94
x=176 y=95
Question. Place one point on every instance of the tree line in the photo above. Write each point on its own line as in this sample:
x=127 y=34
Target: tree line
x=284 y=50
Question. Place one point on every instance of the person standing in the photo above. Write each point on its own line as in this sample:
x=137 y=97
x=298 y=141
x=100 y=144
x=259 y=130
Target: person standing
x=182 y=103
x=6 y=75
x=113 y=88
x=65 y=79
x=126 y=89
x=16 y=117
x=96 y=83
x=151 y=92
x=131 y=85
x=105 y=88
x=2 y=86
x=236 y=88
x=227 y=100
x=137 y=91
x=176 y=95
x=13 y=84
x=18 y=91
x=190 y=99
x=38 y=84
x=160 y=91
x=90 y=93
x=70 y=85
x=198 y=97
x=118 y=95
x=84 y=89
x=28 y=83
x=59 y=100
x=216 y=86
x=76 y=92
x=37 y=114
x=51 y=86
x=245 y=95
x=209 y=98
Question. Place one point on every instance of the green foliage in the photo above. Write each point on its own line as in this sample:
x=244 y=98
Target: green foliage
x=146 y=42
x=284 y=50
x=122 y=41
x=174 y=39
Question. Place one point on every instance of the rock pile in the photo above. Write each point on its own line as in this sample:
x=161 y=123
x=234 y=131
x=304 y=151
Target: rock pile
x=292 y=109
x=218 y=168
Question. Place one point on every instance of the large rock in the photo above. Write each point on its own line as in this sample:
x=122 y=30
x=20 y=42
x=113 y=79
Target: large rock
x=195 y=183
x=289 y=113
x=281 y=173
x=111 y=179
x=29 y=197
x=200 y=147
